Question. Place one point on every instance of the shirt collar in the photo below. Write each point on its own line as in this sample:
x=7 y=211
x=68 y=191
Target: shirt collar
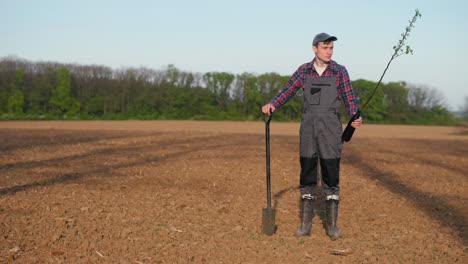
x=332 y=65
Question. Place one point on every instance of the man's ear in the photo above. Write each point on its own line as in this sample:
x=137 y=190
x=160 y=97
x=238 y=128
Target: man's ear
x=314 y=49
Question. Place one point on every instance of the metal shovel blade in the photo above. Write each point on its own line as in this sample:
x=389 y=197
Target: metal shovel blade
x=268 y=221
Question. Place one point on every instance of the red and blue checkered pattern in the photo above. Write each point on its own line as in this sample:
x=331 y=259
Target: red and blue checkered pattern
x=297 y=81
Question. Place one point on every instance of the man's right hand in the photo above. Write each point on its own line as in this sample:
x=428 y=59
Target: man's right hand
x=268 y=108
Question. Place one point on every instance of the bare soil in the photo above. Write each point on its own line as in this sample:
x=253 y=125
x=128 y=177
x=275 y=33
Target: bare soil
x=193 y=192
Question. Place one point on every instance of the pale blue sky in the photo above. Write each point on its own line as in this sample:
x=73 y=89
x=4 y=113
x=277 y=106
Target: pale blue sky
x=245 y=36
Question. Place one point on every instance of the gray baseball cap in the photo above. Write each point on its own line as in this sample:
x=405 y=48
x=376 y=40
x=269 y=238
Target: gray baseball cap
x=323 y=37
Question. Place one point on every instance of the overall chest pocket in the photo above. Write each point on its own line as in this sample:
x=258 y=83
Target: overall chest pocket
x=314 y=92
x=315 y=95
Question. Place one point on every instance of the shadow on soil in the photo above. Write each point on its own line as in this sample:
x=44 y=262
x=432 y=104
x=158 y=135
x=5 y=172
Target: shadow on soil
x=433 y=205
x=198 y=143
x=70 y=177
x=13 y=139
x=441 y=147
x=105 y=151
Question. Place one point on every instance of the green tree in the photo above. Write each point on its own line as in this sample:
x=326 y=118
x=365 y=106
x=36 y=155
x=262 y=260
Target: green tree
x=376 y=110
x=61 y=102
x=15 y=103
x=203 y=104
x=439 y=115
x=464 y=109
x=172 y=74
x=396 y=100
x=3 y=101
x=247 y=96
x=269 y=84
x=39 y=90
x=219 y=83
x=16 y=99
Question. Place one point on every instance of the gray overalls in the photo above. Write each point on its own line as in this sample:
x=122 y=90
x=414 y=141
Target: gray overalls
x=320 y=137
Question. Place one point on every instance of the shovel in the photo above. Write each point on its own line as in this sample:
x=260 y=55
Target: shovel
x=268 y=214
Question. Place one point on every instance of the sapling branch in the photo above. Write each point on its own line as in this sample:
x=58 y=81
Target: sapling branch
x=399 y=49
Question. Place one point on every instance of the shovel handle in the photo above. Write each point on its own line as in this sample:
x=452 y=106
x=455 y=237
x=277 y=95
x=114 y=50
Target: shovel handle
x=267 y=147
x=267 y=120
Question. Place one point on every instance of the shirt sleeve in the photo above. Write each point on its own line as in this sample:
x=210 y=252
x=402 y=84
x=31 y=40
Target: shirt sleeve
x=295 y=83
x=346 y=92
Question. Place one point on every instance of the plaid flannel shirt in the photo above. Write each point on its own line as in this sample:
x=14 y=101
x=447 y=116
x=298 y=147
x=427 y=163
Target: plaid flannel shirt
x=297 y=81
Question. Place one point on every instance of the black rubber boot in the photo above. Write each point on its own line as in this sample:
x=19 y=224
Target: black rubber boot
x=332 y=216
x=307 y=213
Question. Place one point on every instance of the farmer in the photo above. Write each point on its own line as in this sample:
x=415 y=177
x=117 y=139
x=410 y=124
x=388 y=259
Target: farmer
x=324 y=84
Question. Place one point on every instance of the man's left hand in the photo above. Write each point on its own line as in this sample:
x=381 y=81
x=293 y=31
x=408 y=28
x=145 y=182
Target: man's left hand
x=357 y=123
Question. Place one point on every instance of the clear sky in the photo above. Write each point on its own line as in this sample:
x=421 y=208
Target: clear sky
x=256 y=36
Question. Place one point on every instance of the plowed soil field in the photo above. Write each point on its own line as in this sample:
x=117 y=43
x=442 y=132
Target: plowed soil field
x=193 y=192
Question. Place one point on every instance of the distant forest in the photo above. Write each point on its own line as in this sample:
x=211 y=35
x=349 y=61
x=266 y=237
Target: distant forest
x=51 y=90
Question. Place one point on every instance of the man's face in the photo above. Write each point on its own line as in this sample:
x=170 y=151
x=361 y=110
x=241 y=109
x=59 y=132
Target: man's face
x=324 y=51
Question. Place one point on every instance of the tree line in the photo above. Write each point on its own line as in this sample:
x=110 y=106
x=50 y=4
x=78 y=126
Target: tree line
x=52 y=90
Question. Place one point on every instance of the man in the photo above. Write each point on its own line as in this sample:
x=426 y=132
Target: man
x=324 y=84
